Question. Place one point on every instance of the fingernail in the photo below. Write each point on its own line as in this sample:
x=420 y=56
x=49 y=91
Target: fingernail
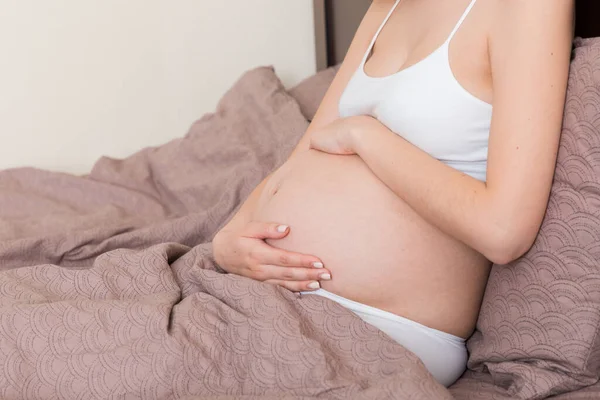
x=325 y=277
x=282 y=228
x=317 y=264
x=314 y=285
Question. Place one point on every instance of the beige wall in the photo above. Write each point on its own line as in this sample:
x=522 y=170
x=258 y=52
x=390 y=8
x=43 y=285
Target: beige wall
x=85 y=78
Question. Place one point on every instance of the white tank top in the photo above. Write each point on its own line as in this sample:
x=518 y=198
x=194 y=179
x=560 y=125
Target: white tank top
x=426 y=105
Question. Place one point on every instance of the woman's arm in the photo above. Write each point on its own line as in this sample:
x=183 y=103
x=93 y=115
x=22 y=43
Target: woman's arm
x=529 y=53
x=328 y=109
x=239 y=246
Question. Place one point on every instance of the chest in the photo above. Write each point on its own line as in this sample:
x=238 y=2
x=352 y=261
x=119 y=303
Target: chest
x=438 y=101
x=425 y=105
x=416 y=28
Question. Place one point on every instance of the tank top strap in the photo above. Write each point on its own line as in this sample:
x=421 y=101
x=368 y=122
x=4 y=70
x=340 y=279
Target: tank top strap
x=379 y=31
x=461 y=20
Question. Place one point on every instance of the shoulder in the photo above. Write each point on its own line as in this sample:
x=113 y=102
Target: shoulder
x=538 y=6
x=527 y=32
x=381 y=5
x=533 y=15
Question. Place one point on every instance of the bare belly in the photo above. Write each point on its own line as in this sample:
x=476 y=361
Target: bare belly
x=379 y=250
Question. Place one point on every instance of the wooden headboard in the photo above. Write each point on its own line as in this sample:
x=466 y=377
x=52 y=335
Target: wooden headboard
x=337 y=21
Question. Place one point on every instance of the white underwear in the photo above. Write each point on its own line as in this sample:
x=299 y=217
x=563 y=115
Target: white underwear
x=444 y=355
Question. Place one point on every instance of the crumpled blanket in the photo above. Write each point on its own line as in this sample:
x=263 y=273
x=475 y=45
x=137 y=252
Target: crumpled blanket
x=108 y=288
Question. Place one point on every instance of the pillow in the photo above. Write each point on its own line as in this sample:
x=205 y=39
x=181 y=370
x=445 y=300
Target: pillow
x=138 y=201
x=310 y=92
x=538 y=329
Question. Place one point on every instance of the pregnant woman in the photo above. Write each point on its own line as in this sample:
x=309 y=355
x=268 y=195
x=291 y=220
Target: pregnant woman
x=431 y=155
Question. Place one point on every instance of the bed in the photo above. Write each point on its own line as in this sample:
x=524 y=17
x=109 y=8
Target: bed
x=108 y=288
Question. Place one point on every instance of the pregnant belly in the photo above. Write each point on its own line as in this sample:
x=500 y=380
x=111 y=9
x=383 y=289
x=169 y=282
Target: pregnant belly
x=379 y=250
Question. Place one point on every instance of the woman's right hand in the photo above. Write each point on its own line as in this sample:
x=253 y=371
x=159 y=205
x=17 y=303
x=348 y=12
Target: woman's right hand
x=246 y=253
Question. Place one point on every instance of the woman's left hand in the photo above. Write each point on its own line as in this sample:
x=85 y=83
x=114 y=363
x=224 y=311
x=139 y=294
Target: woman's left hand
x=338 y=136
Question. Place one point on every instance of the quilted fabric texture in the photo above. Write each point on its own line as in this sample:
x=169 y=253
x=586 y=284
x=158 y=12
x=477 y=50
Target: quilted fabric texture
x=162 y=323
x=480 y=386
x=537 y=333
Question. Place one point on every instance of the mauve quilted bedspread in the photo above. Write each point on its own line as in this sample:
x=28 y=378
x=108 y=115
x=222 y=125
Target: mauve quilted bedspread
x=108 y=289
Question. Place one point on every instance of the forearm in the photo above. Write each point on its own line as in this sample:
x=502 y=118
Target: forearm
x=457 y=204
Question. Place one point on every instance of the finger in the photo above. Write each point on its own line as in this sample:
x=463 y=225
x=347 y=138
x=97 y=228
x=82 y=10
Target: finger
x=265 y=230
x=295 y=286
x=292 y=274
x=266 y=254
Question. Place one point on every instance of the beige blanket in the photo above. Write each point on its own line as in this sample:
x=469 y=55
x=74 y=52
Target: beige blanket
x=108 y=288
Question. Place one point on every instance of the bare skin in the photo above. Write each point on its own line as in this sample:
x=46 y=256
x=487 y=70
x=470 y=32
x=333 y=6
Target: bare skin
x=395 y=228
